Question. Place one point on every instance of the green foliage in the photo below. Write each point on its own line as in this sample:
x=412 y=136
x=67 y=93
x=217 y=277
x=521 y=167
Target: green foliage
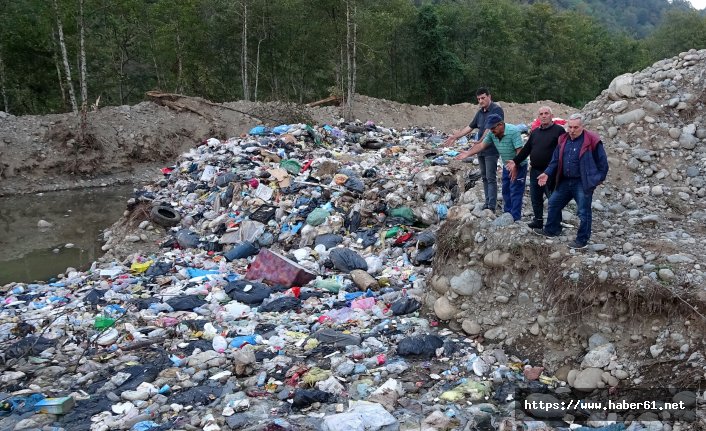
x=410 y=51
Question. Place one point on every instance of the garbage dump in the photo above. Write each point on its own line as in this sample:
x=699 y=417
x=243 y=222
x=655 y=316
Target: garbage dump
x=286 y=294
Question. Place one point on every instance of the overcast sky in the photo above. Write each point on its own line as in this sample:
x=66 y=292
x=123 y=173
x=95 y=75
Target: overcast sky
x=698 y=4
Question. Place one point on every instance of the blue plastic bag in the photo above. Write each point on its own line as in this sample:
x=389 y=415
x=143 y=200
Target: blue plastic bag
x=258 y=131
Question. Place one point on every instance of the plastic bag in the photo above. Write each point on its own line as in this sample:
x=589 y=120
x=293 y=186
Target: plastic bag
x=187 y=239
x=420 y=346
x=186 y=303
x=404 y=212
x=248 y=292
x=305 y=397
x=354 y=184
x=404 y=306
x=346 y=260
x=317 y=217
x=291 y=166
x=328 y=240
x=284 y=303
x=242 y=250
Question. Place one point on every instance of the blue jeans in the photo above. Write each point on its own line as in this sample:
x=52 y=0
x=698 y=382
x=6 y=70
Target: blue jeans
x=488 y=171
x=538 y=192
x=567 y=189
x=513 y=191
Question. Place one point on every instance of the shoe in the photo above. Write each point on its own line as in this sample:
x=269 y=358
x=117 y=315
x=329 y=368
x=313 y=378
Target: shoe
x=541 y=232
x=567 y=225
x=535 y=224
x=577 y=245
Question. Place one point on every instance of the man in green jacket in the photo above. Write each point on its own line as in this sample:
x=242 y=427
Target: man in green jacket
x=508 y=140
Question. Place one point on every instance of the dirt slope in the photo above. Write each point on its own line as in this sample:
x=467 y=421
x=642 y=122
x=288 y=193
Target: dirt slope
x=129 y=143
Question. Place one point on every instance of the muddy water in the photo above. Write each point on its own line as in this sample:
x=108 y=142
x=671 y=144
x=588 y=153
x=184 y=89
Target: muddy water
x=78 y=217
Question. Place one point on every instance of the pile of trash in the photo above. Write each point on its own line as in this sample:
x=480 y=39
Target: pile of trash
x=287 y=294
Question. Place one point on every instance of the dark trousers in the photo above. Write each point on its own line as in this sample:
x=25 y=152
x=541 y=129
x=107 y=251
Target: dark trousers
x=565 y=191
x=537 y=192
x=488 y=171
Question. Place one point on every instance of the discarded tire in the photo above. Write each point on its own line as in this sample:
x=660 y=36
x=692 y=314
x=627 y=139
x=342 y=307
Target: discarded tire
x=165 y=216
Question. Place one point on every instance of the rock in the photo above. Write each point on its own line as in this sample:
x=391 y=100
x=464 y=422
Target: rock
x=657 y=190
x=612 y=132
x=437 y=421
x=497 y=333
x=471 y=327
x=666 y=274
x=688 y=142
x=618 y=106
x=534 y=329
x=599 y=357
x=440 y=284
x=636 y=260
x=132 y=238
x=622 y=86
x=656 y=350
x=43 y=224
x=674 y=133
x=467 y=283
x=621 y=374
x=603 y=276
x=634 y=274
x=589 y=379
x=496 y=259
x=692 y=171
x=686 y=397
x=630 y=117
x=443 y=308
x=679 y=258
x=597 y=340
x=505 y=219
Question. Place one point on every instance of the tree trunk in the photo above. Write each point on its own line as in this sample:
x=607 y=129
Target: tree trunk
x=82 y=43
x=351 y=34
x=257 y=67
x=6 y=105
x=180 y=64
x=244 y=53
x=58 y=70
x=65 y=57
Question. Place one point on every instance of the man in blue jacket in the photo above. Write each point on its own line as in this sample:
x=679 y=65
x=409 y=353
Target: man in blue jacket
x=579 y=164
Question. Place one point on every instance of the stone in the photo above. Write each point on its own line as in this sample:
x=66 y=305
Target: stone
x=132 y=238
x=597 y=340
x=496 y=259
x=674 y=133
x=43 y=224
x=621 y=374
x=652 y=107
x=443 y=308
x=622 y=86
x=657 y=190
x=589 y=379
x=618 y=106
x=630 y=117
x=467 y=283
x=603 y=276
x=440 y=284
x=634 y=274
x=679 y=258
x=665 y=274
x=692 y=171
x=497 y=333
x=656 y=350
x=470 y=327
x=613 y=132
x=534 y=329
x=599 y=357
x=636 y=260
x=502 y=299
x=686 y=397
x=688 y=142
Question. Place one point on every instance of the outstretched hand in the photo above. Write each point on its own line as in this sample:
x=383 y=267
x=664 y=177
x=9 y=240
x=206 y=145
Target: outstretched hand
x=462 y=155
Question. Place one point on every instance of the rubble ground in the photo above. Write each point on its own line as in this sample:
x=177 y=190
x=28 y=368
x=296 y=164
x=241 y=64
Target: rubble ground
x=346 y=277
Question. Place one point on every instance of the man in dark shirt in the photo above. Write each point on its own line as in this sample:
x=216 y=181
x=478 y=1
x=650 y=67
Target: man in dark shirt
x=488 y=158
x=539 y=147
x=579 y=164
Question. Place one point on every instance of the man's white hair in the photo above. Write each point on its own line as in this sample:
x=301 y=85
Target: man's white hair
x=577 y=116
x=547 y=108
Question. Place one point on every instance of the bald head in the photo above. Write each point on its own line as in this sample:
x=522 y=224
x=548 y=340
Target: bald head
x=545 y=116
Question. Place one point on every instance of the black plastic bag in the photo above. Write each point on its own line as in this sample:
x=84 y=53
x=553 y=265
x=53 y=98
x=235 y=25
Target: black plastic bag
x=368 y=237
x=263 y=214
x=283 y=303
x=328 y=240
x=338 y=339
x=426 y=238
x=305 y=397
x=28 y=346
x=346 y=260
x=241 y=251
x=353 y=223
x=248 y=292
x=187 y=239
x=354 y=184
x=405 y=305
x=95 y=297
x=186 y=303
x=225 y=179
x=158 y=268
x=421 y=346
x=425 y=255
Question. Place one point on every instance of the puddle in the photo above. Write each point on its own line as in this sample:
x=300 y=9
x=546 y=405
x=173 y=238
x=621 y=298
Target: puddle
x=78 y=217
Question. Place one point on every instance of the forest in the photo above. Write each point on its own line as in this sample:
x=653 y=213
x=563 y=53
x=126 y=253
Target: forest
x=68 y=55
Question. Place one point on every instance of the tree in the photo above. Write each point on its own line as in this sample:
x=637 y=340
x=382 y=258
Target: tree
x=680 y=31
x=65 y=57
x=3 y=83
